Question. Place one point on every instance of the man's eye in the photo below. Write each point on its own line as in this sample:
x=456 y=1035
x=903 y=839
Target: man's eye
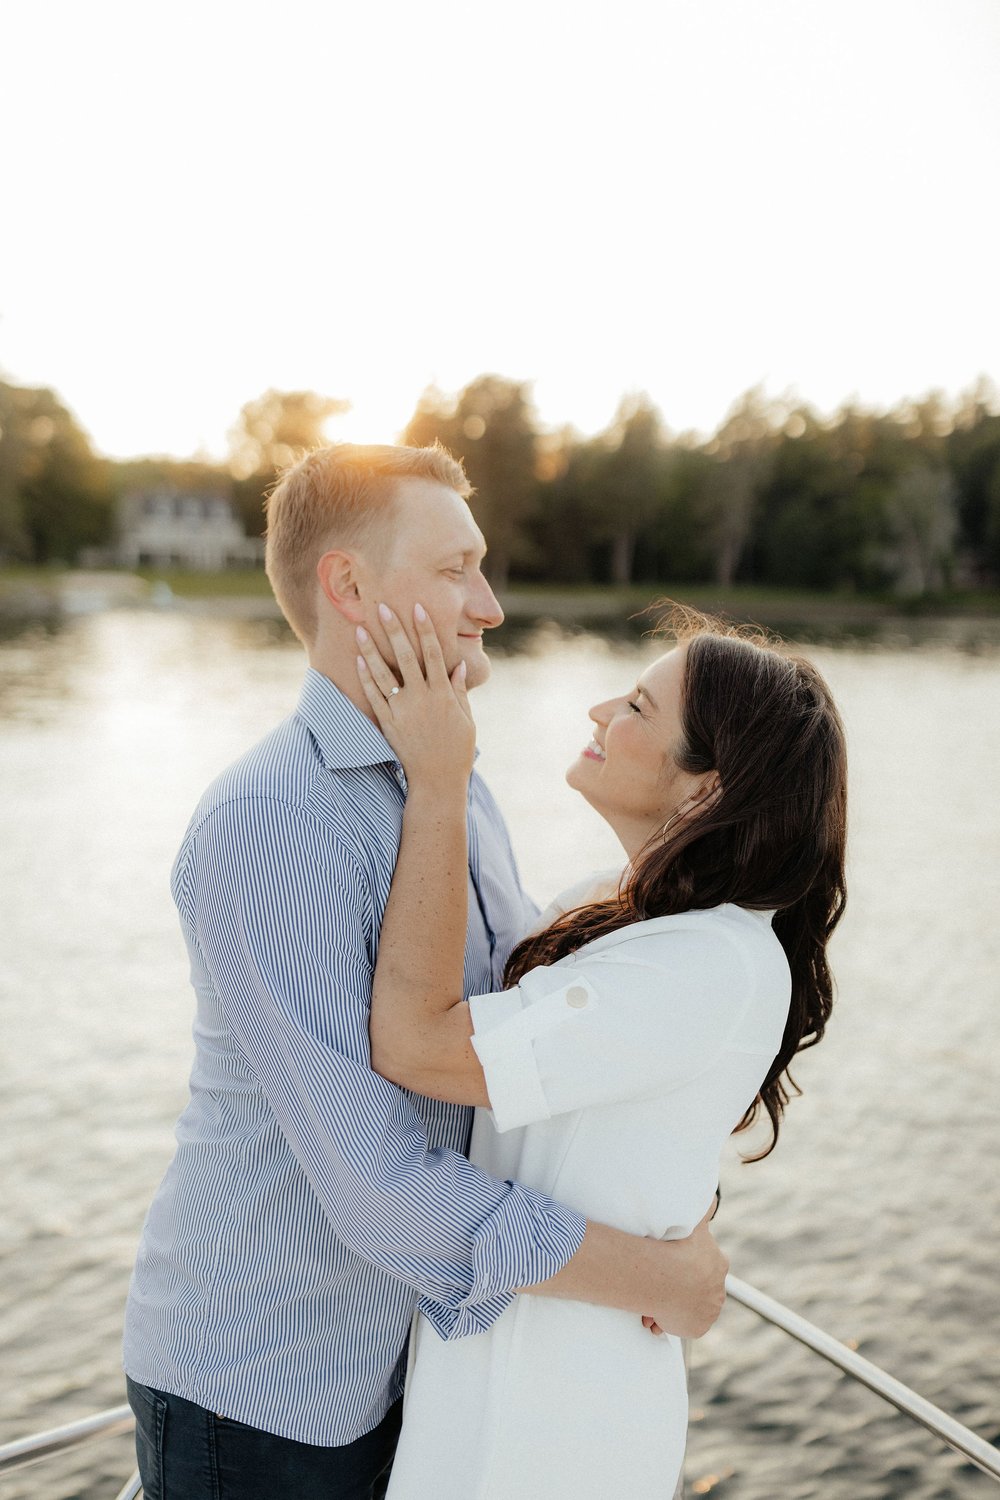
x=455 y=572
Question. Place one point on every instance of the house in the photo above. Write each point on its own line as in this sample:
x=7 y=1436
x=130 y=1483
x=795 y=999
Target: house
x=165 y=528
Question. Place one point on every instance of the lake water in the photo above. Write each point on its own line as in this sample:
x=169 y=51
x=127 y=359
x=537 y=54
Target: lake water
x=877 y=1217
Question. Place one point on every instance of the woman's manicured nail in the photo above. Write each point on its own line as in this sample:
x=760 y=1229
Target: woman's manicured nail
x=385 y=612
x=362 y=664
x=361 y=634
x=419 y=613
x=463 y=668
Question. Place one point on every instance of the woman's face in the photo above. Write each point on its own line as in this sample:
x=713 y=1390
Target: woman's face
x=628 y=772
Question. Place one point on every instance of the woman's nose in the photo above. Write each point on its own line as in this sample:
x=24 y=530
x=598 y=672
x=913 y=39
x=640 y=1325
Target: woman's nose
x=601 y=712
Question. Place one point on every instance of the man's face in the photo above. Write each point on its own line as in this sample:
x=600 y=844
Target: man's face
x=434 y=558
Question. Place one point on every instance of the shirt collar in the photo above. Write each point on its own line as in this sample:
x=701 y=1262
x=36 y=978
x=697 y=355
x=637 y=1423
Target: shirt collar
x=345 y=737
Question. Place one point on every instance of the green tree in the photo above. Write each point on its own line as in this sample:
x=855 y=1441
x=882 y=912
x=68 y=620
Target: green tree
x=55 y=493
x=491 y=428
x=816 y=526
x=743 y=449
x=632 y=479
x=680 y=546
x=270 y=433
x=570 y=546
x=923 y=521
x=973 y=454
x=189 y=476
x=15 y=452
x=434 y=421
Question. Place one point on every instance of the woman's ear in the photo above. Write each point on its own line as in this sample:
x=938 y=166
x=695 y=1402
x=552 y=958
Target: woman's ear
x=712 y=791
x=338 y=575
x=699 y=802
x=704 y=798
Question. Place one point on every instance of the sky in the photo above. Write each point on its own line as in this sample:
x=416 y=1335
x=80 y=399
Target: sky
x=683 y=197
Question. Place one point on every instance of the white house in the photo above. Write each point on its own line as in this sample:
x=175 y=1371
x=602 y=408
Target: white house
x=167 y=529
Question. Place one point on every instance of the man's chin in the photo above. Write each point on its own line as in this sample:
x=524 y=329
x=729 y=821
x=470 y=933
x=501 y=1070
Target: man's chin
x=479 y=673
x=478 y=668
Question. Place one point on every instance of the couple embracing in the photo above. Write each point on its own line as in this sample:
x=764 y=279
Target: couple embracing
x=372 y=983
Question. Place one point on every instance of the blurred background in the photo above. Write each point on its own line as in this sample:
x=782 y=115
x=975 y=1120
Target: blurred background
x=705 y=296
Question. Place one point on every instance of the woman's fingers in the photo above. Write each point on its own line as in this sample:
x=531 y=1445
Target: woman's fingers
x=408 y=662
x=430 y=646
x=406 y=658
x=374 y=695
x=380 y=674
x=460 y=687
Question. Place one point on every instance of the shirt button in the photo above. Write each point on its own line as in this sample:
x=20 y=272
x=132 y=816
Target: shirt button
x=576 y=996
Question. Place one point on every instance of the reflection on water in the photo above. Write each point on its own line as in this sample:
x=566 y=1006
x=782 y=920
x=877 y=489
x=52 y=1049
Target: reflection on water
x=876 y=1217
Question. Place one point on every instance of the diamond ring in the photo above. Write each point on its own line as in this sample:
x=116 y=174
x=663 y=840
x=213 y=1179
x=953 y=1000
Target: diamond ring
x=393 y=691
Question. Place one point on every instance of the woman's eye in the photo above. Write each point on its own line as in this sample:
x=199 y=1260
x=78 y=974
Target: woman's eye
x=634 y=706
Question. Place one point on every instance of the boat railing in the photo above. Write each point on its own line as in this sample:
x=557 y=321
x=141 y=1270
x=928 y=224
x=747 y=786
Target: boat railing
x=976 y=1449
x=42 y=1445
x=962 y=1439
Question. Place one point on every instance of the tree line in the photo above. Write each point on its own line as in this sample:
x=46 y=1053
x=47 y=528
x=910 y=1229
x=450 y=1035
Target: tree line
x=906 y=500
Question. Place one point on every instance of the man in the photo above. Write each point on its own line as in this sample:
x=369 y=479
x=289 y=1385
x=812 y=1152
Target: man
x=310 y=1204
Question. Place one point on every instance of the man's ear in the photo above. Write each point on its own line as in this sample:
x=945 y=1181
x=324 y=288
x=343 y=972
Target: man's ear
x=338 y=575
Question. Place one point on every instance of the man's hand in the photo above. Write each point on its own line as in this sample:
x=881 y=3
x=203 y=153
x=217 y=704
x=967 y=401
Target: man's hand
x=694 y=1284
x=705 y=1257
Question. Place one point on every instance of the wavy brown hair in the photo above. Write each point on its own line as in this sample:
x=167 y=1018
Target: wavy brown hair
x=773 y=839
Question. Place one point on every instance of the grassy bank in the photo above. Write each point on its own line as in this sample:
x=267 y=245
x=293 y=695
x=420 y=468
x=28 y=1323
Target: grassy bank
x=744 y=599
x=585 y=602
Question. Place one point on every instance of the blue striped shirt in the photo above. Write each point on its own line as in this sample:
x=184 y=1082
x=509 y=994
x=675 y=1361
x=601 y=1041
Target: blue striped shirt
x=310 y=1204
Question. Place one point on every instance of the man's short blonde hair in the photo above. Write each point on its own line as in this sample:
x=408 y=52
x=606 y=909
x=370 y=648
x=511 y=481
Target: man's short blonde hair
x=341 y=496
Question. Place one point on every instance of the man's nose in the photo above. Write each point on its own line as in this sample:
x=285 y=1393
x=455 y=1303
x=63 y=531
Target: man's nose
x=485 y=605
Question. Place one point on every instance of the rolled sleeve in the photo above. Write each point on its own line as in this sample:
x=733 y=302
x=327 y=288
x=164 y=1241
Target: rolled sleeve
x=525 y=1242
x=648 y=1015
x=506 y=1031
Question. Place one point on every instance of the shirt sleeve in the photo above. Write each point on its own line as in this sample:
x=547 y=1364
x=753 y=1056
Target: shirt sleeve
x=283 y=916
x=644 y=1017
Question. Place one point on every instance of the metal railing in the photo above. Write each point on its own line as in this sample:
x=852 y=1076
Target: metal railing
x=962 y=1439
x=976 y=1449
x=42 y=1445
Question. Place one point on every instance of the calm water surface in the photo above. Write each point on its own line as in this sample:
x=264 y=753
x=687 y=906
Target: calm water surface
x=878 y=1215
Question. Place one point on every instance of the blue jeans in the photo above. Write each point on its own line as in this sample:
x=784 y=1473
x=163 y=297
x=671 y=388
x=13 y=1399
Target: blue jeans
x=188 y=1453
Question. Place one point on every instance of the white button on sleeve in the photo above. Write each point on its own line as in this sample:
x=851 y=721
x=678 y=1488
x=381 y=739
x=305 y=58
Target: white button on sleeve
x=515 y=1031
x=649 y=1014
x=507 y=1031
x=503 y=1045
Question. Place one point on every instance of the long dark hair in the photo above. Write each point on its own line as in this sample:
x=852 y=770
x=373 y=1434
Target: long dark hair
x=774 y=837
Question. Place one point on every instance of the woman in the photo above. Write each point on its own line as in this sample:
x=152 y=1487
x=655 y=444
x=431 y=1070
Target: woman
x=642 y=1024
